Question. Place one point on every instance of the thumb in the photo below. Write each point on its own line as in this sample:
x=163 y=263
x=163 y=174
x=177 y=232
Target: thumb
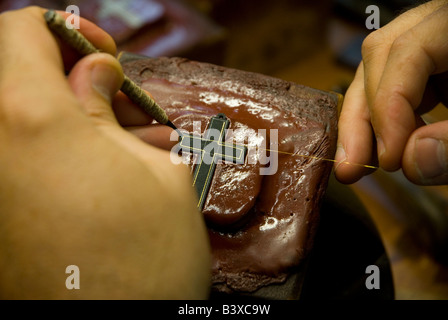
x=95 y=80
x=425 y=160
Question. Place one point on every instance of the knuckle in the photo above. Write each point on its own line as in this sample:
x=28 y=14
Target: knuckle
x=19 y=112
x=413 y=51
x=401 y=42
x=100 y=114
x=371 y=43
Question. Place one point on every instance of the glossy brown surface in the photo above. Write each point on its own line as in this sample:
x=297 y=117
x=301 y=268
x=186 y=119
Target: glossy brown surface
x=261 y=225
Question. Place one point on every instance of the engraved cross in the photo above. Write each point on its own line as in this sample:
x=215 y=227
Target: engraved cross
x=211 y=148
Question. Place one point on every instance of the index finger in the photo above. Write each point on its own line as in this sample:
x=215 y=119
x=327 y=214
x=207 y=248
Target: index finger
x=30 y=56
x=413 y=57
x=36 y=38
x=97 y=36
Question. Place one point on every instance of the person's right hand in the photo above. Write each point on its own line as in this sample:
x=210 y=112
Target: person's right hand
x=403 y=74
x=77 y=189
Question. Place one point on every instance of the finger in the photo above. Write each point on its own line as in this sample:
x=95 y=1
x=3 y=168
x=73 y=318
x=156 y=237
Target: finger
x=157 y=135
x=36 y=38
x=100 y=38
x=29 y=56
x=127 y=113
x=376 y=47
x=95 y=80
x=414 y=56
x=425 y=160
x=97 y=36
x=354 y=145
x=355 y=135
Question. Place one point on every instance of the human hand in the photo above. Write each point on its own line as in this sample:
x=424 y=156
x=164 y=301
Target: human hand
x=403 y=74
x=76 y=188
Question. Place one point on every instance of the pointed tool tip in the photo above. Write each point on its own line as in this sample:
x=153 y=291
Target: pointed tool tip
x=171 y=125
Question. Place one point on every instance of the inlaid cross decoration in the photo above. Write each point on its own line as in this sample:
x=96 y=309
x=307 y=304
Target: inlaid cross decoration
x=211 y=149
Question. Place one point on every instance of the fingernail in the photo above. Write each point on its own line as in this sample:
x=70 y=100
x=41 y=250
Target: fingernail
x=105 y=80
x=430 y=158
x=340 y=156
x=380 y=146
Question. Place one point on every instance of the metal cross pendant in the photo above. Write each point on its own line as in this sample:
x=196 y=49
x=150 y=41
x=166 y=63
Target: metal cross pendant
x=210 y=149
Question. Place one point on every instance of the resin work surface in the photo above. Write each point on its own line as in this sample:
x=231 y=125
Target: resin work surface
x=261 y=214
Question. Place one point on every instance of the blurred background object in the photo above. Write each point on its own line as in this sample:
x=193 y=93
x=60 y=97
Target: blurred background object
x=383 y=219
x=255 y=35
